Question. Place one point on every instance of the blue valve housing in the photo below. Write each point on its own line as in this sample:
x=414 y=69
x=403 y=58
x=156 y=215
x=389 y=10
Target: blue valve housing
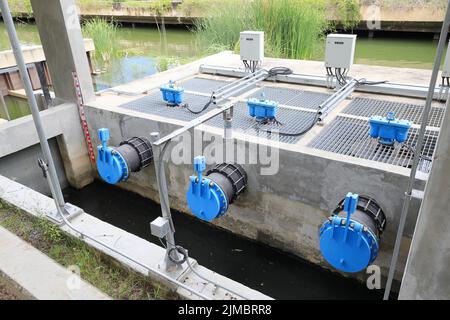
x=209 y=197
x=389 y=129
x=114 y=165
x=349 y=240
x=172 y=94
x=262 y=109
x=111 y=165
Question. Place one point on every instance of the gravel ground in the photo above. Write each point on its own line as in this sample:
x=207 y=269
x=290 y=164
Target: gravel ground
x=5 y=294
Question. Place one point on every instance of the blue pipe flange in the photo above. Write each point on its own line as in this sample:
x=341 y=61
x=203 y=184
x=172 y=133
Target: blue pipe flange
x=349 y=240
x=111 y=165
x=206 y=200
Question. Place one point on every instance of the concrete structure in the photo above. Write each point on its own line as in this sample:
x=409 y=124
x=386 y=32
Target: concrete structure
x=33 y=54
x=23 y=167
x=38 y=276
x=61 y=38
x=284 y=210
x=62 y=123
x=65 y=50
x=9 y=75
x=427 y=275
x=141 y=250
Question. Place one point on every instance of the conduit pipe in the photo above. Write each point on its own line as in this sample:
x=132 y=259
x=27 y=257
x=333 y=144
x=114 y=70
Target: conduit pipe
x=406 y=90
x=49 y=169
x=418 y=151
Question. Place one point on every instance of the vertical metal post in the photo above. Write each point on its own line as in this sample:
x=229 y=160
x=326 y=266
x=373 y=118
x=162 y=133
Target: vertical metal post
x=418 y=151
x=158 y=158
x=53 y=177
x=40 y=68
x=5 y=107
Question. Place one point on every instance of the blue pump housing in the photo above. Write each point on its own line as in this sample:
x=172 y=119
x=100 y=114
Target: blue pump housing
x=389 y=129
x=262 y=109
x=350 y=245
x=172 y=94
x=206 y=200
x=111 y=165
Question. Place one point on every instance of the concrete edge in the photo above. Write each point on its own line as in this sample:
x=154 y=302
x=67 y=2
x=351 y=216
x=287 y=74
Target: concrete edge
x=39 y=276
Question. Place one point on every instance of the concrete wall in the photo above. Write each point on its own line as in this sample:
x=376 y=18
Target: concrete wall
x=61 y=122
x=22 y=167
x=63 y=44
x=285 y=210
x=427 y=273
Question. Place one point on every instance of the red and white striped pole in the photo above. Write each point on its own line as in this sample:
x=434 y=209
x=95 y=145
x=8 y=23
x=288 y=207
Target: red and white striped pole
x=80 y=105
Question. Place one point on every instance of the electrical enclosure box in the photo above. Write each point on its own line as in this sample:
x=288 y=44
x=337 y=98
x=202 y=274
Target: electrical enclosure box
x=159 y=227
x=340 y=51
x=252 y=45
x=446 y=70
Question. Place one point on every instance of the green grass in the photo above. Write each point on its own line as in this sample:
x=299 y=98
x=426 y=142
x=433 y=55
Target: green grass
x=104 y=34
x=157 y=7
x=96 y=268
x=293 y=28
x=20 y=8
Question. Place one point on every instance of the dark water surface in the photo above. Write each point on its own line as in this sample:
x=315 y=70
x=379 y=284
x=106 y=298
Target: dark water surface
x=277 y=274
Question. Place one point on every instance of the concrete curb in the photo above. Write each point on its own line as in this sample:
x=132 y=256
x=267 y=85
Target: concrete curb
x=38 y=275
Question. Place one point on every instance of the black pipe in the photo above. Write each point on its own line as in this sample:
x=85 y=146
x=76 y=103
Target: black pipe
x=231 y=178
x=137 y=152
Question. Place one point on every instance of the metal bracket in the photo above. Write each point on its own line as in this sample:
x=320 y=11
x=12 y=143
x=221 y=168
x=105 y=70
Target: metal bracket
x=417 y=194
x=70 y=211
x=228 y=124
x=444 y=93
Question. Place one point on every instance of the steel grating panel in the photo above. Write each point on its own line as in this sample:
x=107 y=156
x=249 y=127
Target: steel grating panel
x=365 y=107
x=350 y=137
x=308 y=100
x=292 y=97
x=202 y=85
x=280 y=95
x=153 y=104
x=207 y=86
x=293 y=120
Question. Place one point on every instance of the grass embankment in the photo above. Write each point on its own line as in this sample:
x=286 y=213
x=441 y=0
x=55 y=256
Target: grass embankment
x=100 y=270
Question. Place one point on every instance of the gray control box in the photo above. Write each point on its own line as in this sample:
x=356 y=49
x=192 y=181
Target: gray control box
x=340 y=51
x=159 y=227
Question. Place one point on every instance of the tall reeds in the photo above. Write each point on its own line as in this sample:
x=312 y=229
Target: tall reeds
x=104 y=34
x=293 y=28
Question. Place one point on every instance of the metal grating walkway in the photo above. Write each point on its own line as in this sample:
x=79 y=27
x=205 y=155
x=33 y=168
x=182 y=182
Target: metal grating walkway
x=202 y=85
x=365 y=107
x=292 y=97
x=350 y=137
x=153 y=104
x=293 y=120
x=207 y=86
